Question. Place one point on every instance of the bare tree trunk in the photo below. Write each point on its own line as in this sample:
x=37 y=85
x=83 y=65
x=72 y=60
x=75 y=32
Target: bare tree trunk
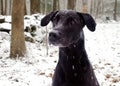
x=55 y=5
x=71 y=4
x=35 y=6
x=89 y=6
x=25 y=9
x=97 y=8
x=63 y=4
x=5 y=7
x=79 y=5
x=115 y=11
x=46 y=29
x=2 y=7
x=91 y=10
x=94 y=7
x=10 y=8
x=4 y=11
x=28 y=7
x=42 y=7
x=17 y=48
x=45 y=11
x=102 y=7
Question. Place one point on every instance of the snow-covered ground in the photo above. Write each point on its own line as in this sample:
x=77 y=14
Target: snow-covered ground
x=37 y=68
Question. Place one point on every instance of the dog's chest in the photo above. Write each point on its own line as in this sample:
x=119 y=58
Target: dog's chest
x=72 y=64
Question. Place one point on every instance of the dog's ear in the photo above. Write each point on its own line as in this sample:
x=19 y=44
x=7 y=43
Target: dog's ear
x=88 y=20
x=45 y=20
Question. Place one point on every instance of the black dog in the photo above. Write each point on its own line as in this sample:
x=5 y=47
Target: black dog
x=73 y=68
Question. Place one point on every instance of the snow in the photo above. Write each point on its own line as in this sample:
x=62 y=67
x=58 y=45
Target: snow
x=104 y=45
x=37 y=68
x=5 y=25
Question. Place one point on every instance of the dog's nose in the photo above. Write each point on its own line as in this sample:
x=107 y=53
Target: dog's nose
x=53 y=36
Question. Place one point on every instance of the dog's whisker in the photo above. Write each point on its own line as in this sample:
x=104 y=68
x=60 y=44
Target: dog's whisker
x=75 y=74
x=67 y=58
x=73 y=67
x=73 y=57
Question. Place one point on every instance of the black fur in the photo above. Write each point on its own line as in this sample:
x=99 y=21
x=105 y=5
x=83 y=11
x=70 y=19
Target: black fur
x=73 y=68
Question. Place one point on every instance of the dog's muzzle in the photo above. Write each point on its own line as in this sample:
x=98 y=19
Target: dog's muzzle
x=54 y=37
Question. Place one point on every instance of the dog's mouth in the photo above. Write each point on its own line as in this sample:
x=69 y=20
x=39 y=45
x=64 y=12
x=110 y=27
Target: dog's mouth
x=56 y=38
x=58 y=42
x=61 y=42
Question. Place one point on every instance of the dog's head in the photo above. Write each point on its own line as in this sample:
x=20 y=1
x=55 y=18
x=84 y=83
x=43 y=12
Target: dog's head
x=67 y=26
